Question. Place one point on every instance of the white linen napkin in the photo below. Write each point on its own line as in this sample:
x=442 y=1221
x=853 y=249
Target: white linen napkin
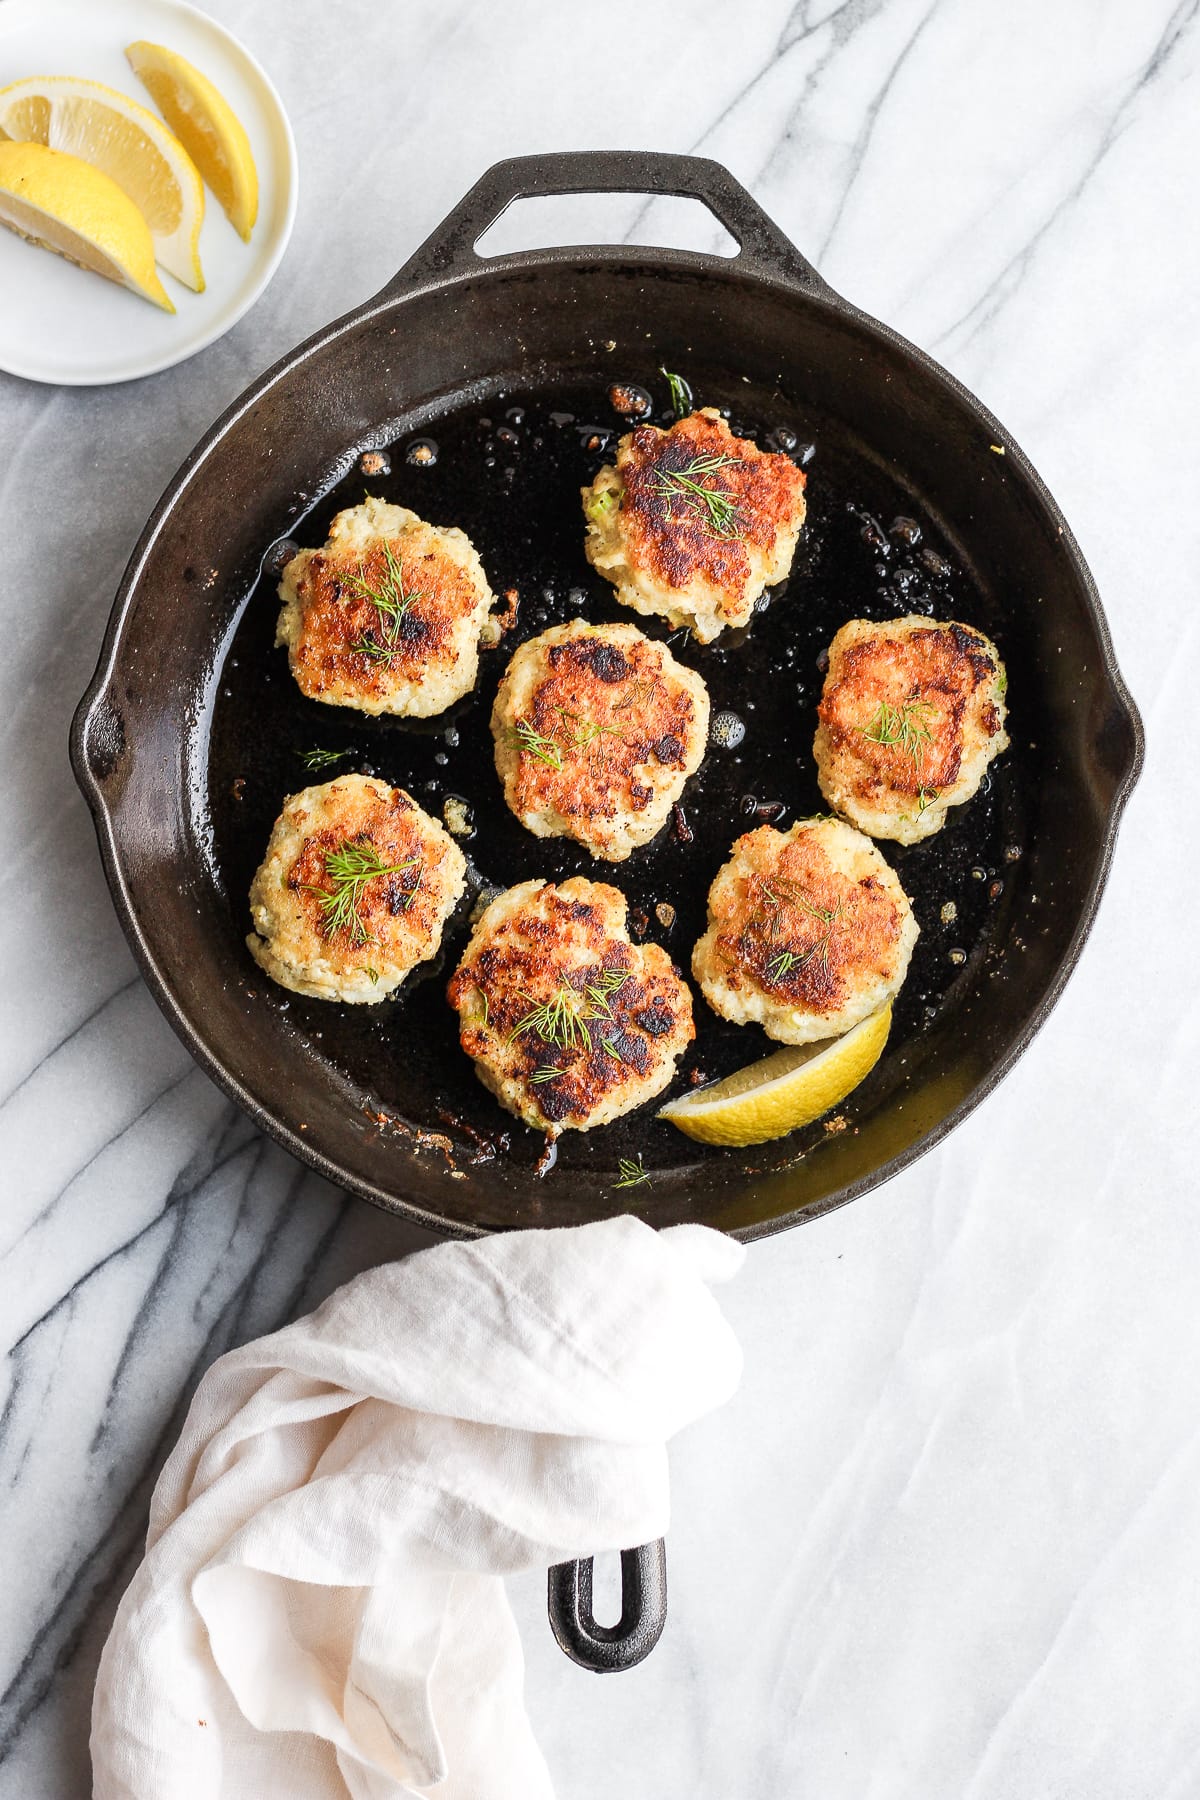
x=321 y=1609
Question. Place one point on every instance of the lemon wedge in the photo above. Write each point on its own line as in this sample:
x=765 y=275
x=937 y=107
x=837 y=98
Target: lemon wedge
x=784 y=1091
x=126 y=142
x=206 y=124
x=65 y=205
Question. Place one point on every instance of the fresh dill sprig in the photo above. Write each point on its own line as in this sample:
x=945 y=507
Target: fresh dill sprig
x=350 y=868
x=546 y=747
x=546 y=1073
x=564 y=1018
x=391 y=600
x=322 y=759
x=587 y=734
x=777 y=893
x=535 y=743
x=905 y=728
x=583 y=732
x=631 y=1174
x=607 y=982
x=638 y=694
x=925 y=799
x=902 y=727
x=558 y=1020
x=681 y=393
x=787 y=960
x=716 y=508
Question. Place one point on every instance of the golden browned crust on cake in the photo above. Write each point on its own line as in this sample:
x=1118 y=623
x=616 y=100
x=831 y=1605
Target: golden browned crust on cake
x=597 y=729
x=911 y=715
x=809 y=931
x=693 y=523
x=389 y=921
x=569 y=1024
x=386 y=617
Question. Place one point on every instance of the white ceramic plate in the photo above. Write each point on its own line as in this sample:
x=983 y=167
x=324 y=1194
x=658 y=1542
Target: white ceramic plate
x=61 y=324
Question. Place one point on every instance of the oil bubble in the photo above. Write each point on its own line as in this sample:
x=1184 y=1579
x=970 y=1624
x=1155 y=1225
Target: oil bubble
x=422 y=452
x=727 y=731
x=281 y=553
x=630 y=401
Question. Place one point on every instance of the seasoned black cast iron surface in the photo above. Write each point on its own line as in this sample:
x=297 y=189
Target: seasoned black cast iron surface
x=510 y=476
x=192 y=734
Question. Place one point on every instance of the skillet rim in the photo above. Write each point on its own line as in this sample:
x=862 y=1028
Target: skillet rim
x=444 y=262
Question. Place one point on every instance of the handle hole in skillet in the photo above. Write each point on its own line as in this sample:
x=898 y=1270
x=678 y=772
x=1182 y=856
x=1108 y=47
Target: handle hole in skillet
x=666 y=221
x=607 y=1596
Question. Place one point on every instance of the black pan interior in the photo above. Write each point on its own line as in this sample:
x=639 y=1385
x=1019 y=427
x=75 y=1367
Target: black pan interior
x=189 y=740
x=508 y=471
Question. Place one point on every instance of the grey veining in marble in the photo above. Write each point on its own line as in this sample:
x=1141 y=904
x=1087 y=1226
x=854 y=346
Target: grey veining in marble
x=944 y=1545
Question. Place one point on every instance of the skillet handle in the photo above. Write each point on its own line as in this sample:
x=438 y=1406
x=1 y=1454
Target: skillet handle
x=605 y=1649
x=450 y=249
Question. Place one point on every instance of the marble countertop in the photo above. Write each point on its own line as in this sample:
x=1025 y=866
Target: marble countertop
x=943 y=1544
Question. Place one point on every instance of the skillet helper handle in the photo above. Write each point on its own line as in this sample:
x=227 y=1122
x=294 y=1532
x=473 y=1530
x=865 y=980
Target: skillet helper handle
x=606 y=1648
x=98 y=744
x=450 y=249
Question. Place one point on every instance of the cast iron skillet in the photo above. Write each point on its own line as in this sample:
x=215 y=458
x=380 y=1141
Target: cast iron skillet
x=190 y=734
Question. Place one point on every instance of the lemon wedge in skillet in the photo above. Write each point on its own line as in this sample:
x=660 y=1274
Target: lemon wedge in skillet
x=784 y=1091
x=207 y=126
x=65 y=205
x=125 y=141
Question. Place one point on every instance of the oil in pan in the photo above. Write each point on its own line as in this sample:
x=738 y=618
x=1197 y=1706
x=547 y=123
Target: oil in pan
x=509 y=474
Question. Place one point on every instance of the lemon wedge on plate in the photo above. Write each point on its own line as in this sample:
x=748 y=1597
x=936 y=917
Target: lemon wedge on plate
x=784 y=1091
x=65 y=205
x=206 y=124
x=125 y=141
